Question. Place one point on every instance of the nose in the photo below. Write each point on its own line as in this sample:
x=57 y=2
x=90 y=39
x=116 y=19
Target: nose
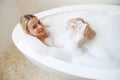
x=40 y=27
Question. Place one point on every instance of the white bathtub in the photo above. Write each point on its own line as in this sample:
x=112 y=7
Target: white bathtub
x=64 y=67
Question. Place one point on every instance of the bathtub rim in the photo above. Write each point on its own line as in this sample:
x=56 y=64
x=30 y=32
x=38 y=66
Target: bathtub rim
x=75 y=7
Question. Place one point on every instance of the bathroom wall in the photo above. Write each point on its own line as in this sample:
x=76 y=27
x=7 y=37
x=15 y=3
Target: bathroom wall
x=9 y=16
x=34 y=6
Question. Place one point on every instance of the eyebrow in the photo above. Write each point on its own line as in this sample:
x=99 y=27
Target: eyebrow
x=35 y=23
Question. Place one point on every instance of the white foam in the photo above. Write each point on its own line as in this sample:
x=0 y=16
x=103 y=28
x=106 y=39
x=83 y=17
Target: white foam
x=103 y=50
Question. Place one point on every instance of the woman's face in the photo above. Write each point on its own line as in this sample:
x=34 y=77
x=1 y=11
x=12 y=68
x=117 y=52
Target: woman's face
x=35 y=27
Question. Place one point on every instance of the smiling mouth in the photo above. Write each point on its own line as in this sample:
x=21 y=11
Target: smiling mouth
x=41 y=30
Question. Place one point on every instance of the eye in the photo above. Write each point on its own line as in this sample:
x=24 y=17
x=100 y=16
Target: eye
x=39 y=22
x=35 y=26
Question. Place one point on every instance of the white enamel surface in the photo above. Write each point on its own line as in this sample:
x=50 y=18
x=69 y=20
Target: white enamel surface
x=111 y=11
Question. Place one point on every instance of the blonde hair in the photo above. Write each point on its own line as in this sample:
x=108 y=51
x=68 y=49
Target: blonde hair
x=24 y=20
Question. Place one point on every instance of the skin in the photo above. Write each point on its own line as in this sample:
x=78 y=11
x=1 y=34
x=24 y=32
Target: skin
x=88 y=33
x=37 y=29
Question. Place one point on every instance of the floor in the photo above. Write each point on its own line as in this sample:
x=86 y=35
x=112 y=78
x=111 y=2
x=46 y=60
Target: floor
x=14 y=66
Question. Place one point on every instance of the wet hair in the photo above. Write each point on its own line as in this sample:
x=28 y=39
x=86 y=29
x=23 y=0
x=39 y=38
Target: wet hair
x=24 y=20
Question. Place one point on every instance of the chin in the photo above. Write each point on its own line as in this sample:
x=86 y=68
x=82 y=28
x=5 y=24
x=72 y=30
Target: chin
x=42 y=33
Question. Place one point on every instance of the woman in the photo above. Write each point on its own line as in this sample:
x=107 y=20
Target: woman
x=33 y=26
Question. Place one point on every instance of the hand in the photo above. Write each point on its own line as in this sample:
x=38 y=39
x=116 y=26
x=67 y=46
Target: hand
x=88 y=34
x=73 y=23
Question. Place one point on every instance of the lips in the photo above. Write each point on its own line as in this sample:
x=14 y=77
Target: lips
x=41 y=30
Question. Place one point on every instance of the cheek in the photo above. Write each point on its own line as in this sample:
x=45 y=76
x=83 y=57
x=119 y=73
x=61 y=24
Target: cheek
x=33 y=32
